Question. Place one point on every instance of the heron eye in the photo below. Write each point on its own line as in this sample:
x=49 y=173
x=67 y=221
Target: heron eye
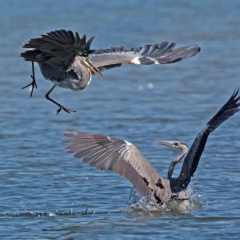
x=175 y=144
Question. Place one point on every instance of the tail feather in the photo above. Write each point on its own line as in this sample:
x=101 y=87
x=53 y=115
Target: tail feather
x=57 y=48
x=59 y=40
x=63 y=37
x=60 y=37
x=31 y=55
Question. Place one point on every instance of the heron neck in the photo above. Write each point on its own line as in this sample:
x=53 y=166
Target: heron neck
x=175 y=161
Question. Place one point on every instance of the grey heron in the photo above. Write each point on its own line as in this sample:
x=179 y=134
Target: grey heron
x=110 y=153
x=67 y=60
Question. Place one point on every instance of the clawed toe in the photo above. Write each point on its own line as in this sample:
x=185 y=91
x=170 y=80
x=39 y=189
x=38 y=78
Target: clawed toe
x=65 y=109
x=33 y=83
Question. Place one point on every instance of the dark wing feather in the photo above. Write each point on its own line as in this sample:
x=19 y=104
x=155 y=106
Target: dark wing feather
x=57 y=48
x=192 y=158
x=108 y=153
x=148 y=54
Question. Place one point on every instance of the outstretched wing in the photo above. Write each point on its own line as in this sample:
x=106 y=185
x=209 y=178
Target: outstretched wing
x=161 y=53
x=57 y=48
x=108 y=153
x=192 y=158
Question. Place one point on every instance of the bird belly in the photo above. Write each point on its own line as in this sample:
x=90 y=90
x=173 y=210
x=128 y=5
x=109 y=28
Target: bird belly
x=50 y=73
x=69 y=83
x=63 y=79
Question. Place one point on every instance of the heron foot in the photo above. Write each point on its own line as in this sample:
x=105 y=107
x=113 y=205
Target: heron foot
x=65 y=109
x=33 y=84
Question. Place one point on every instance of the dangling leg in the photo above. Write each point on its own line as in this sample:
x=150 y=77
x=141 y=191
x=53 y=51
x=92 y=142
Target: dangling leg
x=60 y=106
x=33 y=83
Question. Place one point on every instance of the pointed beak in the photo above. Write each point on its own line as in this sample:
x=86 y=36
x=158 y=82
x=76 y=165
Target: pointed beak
x=92 y=68
x=165 y=143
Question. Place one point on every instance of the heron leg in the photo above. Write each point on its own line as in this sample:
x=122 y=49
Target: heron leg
x=60 y=106
x=33 y=83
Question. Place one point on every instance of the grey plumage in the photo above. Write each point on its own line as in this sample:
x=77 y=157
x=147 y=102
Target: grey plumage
x=148 y=54
x=67 y=60
x=109 y=153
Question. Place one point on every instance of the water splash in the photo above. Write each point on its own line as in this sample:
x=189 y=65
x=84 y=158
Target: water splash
x=148 y=204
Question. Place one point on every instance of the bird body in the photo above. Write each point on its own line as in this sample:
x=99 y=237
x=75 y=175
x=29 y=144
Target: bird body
x=67 y=60
x=108 y=153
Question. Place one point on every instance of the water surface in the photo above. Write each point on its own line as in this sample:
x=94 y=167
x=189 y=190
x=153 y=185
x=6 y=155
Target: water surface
x=45 y=192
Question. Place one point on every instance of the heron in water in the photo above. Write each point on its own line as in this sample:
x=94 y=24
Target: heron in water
x=67 y=60
x=109 y=153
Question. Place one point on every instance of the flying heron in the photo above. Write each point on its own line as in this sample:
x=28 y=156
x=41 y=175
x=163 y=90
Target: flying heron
x=67 y=60
x=109 y=153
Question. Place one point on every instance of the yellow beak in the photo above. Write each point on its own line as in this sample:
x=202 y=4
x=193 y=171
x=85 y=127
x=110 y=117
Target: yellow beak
x=93 y=68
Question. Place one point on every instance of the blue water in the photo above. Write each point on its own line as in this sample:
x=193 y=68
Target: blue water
x=45 y=192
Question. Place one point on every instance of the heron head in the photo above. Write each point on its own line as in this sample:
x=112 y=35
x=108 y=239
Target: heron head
x=174 y=144
x=91 y=67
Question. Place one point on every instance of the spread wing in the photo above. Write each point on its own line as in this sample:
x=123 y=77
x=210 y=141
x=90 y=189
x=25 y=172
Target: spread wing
x=161 y=53
x=57 y=49
x=108 y=153
x=192 y=158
